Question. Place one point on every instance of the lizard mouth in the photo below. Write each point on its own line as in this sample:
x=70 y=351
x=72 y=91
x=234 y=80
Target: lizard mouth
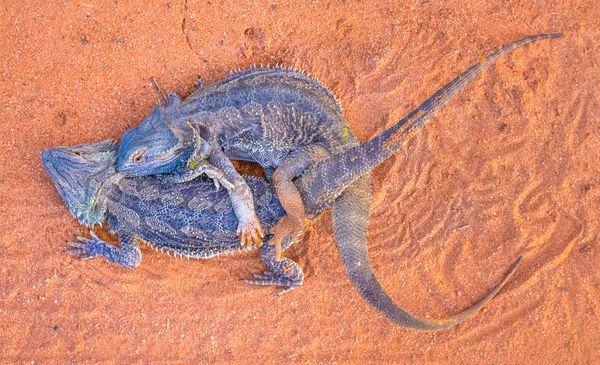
x=173 y=159
x=158 y=166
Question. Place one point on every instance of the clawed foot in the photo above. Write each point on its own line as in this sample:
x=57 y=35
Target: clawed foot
x=216 y=176
x=196 y=168
x=128 y=254
x=285 y=273
x=250 y=233
x=88 y=248
x=285 y=227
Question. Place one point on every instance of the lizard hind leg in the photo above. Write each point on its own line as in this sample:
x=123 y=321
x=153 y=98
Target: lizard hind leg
x=283 y=272
x=293 y=223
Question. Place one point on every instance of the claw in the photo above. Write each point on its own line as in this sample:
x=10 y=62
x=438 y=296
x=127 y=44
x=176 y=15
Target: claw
x=281 y=292
x=261 y=276
x=259 y=281
x=83 y=239
x=76 y=245
x=242 y=239
x=250 y=233
x=269 y=278
x=254 y=238
x=86 y=247
x=248 y=241
x=217 y=177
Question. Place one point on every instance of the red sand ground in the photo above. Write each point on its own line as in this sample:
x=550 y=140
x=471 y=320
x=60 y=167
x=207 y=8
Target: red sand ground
x=510 y=167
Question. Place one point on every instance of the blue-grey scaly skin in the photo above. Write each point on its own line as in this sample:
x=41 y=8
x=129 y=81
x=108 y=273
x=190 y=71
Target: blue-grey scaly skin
x=191 y=219
x=342 y=181
x=278 y=118
x=258 y=115
x=324 y=182
x=157 y=138
x=157 y=212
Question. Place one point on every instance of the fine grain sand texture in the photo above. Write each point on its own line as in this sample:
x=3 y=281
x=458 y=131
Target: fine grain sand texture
x=509 y=167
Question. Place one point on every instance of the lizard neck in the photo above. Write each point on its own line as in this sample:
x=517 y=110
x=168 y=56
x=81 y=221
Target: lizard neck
x=100 y=199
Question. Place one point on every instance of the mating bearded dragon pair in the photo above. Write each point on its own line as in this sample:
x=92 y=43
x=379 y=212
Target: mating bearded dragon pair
x=149 y=186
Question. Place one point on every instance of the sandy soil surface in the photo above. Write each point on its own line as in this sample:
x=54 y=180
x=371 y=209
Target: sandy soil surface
x=510 y=167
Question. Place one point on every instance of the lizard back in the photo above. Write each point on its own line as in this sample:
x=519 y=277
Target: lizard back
x=265 y=113
x=191 y=219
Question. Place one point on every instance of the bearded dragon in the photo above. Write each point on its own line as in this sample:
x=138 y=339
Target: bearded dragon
x=279 y=118
x=191 y=220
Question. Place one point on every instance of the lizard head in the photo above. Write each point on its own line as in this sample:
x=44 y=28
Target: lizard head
x=156 y=145
x=78 y=173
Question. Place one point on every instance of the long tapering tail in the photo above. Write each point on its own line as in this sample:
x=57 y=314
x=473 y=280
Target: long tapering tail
x=344 y=181
x=334 y=175
x=350 y=219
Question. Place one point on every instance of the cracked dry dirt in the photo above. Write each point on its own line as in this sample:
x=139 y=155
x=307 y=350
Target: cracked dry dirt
x=509 y=167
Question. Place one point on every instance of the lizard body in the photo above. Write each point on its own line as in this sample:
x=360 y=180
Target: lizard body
x=341 y=181
x=192 y=219
x=278 y=118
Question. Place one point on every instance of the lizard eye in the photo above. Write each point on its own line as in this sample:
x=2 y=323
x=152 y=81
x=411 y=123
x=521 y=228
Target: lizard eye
x=137 y=157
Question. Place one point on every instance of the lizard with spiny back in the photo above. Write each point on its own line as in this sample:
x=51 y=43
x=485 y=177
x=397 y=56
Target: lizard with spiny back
x=279 y=118
x=191 y=220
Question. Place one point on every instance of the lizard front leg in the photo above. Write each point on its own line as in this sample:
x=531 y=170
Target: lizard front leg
x=196 y=168
x=249 y=229
x=128 y=254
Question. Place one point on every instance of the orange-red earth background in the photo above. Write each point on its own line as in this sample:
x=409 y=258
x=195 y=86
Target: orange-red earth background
x=509 y=167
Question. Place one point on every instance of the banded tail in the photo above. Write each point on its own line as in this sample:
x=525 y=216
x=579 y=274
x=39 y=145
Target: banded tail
x=324 y=182
x=344 y=181
x=350 y=219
